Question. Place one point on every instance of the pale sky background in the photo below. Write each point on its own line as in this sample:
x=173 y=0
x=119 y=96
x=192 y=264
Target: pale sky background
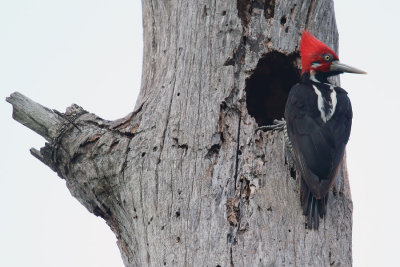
x=90 y=52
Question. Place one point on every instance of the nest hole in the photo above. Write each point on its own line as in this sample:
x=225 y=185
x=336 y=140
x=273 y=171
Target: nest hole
x=268 y=87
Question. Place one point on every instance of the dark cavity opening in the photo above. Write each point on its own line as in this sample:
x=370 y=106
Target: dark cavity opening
x=283 y=20
x=268 y=87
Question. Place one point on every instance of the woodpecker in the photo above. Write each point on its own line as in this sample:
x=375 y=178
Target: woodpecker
x=318 y=119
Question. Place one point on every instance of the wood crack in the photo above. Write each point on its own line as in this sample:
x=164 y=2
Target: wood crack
x=237 y=150
x=110 y=129
x=143 y=211
x=231 y=257
x=153 y=26
x=310 y=13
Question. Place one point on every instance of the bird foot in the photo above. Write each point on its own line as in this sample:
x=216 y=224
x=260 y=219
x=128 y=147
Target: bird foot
x=278 y=125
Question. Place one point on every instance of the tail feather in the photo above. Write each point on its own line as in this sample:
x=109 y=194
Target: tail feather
x=313 y=208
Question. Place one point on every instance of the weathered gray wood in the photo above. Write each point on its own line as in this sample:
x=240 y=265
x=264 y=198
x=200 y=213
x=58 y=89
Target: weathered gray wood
x=36 y=117
x=184 y=180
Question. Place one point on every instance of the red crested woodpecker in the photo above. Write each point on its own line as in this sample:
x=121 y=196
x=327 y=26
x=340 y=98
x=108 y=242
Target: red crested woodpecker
x=317 y=125
x=318 y=118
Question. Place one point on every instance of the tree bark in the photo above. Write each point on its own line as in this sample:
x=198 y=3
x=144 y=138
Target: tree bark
x=185 y=180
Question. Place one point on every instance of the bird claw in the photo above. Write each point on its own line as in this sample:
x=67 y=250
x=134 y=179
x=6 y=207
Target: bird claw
x=278 y=125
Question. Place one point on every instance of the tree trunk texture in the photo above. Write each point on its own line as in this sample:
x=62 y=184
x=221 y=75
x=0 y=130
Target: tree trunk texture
x=185 y=180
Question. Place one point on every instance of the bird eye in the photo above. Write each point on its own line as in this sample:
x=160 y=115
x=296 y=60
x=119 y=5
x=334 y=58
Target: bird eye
x=327 y=57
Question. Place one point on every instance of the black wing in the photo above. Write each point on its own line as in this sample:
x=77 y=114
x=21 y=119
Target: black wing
x=318 y=146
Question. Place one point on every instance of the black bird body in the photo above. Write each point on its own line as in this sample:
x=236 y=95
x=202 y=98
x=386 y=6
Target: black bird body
x=318 y=122
x=317 y=125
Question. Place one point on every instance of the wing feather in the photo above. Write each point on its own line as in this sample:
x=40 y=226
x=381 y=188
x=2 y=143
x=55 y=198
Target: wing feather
x=319 y=146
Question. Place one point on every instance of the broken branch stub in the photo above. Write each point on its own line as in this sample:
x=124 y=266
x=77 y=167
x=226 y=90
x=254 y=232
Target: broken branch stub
x=85 y=150
x=36 y=117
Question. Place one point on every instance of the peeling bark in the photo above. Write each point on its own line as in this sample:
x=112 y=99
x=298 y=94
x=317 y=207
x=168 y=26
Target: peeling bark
x=184 y=180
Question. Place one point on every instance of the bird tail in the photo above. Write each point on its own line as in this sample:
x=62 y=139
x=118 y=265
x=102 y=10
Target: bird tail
x=313 y=208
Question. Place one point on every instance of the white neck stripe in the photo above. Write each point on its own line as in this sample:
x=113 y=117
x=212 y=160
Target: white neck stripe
x=321 y=105
x=314 y=79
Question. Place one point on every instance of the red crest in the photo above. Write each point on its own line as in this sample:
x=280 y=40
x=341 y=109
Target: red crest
x=311 y=50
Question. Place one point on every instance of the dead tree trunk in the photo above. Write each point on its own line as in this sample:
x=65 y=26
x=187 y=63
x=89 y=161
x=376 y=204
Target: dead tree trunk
x=184 y=180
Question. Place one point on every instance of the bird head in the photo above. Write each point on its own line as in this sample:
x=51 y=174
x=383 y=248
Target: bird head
x=318 y=58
